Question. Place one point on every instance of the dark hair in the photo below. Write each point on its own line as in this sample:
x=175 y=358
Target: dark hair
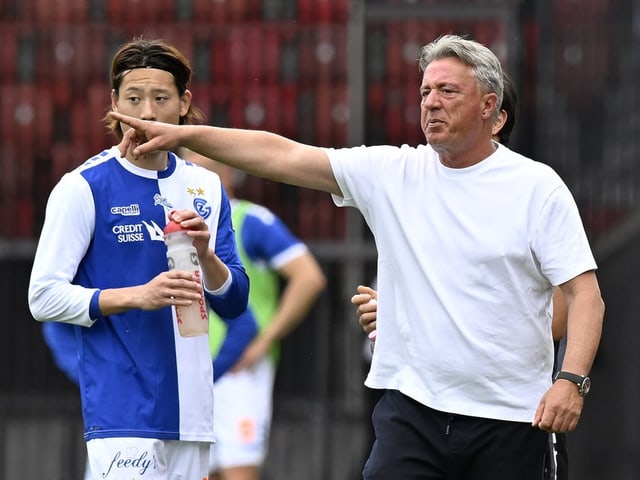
x=510 y=106
x=141 y=53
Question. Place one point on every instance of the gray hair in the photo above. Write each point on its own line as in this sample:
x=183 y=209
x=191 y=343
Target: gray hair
x=484 y=63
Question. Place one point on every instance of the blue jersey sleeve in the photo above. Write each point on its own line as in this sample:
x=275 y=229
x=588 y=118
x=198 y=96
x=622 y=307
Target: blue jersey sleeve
x=234 y=301
x=61 y=340
x=240 y=332
x=267 y=239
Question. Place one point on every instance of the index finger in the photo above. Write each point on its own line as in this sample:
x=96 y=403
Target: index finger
x=134 y=123
x=127 y=141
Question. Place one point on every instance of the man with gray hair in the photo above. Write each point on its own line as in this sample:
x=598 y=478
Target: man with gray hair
x=472 y=238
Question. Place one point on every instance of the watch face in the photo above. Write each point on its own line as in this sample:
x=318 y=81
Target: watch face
x=585 y=387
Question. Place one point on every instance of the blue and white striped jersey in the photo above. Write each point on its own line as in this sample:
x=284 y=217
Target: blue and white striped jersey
x=103 y=229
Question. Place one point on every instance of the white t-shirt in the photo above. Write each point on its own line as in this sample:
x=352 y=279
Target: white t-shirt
x=467 y=260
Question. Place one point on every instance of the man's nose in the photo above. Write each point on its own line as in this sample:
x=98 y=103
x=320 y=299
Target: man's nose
x=429 y=100
x=148 y=110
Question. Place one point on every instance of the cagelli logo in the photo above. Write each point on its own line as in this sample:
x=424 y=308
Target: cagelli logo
x=126 y=211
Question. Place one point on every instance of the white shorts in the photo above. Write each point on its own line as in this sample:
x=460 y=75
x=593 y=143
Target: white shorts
x=242 y=416
x=147 y=459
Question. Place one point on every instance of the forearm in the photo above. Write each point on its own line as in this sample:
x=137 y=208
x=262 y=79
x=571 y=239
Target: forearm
x=117 y=300
x=233 y=301
x=214 y=272
x=297 y=299
x=261 y=153
x=240 y=332
x=584 y=330
x=248 y=150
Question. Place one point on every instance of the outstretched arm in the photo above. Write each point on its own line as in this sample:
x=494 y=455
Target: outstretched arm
x=260 y=153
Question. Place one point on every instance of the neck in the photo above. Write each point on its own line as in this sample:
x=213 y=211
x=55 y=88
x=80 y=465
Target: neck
x=466 y=158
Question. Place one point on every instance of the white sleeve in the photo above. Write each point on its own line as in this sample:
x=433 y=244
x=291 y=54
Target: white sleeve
x=341 y=159
x=66 y=234
x=560 y=243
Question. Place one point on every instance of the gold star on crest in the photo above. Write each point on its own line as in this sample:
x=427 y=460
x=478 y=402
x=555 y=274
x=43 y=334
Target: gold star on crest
x=200 y=191
x=191 y=191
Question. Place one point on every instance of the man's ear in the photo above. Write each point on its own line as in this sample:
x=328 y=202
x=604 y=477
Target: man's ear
x=489 y=105
x=499 y=123
x=185 y=102
x=114 y=98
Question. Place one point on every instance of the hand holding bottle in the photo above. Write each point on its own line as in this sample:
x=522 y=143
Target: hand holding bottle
x=182 y=255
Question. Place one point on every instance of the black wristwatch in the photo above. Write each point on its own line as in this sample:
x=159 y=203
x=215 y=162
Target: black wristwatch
x=583 y=382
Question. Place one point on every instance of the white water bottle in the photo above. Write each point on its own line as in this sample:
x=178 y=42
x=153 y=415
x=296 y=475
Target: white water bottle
x=192 y=320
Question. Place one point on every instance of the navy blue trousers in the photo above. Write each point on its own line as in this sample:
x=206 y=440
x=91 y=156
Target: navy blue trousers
x=415 y=442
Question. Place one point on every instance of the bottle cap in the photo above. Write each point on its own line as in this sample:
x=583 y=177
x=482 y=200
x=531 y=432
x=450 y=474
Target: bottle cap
x=172 y=227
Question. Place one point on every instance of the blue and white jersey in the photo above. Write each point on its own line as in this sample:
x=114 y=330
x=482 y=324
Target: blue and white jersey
x=104 y=229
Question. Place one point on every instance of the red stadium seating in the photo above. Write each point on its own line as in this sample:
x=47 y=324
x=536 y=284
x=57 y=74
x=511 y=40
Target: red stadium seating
x=26 y=116
x=8 y=52
x=340 y=114
x=306 y=12
x=252 y=51
x=10 y=165
x=288 y=110
x=237 y=59
x=213 y=12
x=270 y=53
x=323 y=122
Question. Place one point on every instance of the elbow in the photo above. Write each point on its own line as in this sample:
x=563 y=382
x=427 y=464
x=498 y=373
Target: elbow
x=317 y=281
x=231 y=311
x=40 y=313
x=602 y=307
x=242 y=305
x=320 y=283
x=38 y=316
x=235 y=302
x=36 y=305
x=236 y=310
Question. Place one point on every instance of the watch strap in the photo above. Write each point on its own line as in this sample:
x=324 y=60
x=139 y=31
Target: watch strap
x=583 y=382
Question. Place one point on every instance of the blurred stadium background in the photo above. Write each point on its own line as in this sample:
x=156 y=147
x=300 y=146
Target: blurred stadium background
x=333 y=73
